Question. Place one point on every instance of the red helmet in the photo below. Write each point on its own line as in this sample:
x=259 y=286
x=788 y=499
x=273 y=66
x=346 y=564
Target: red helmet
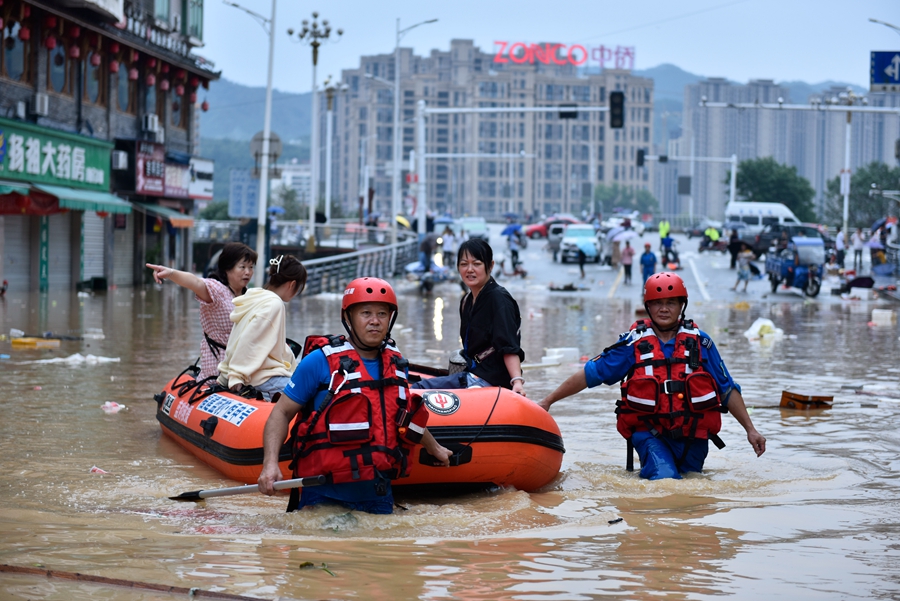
x=368 y=290
x=664 y=285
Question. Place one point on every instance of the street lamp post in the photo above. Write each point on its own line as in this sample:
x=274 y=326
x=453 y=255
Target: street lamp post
x=267 y=130
x=330 y=91
x=398 y=150
x=315 y=37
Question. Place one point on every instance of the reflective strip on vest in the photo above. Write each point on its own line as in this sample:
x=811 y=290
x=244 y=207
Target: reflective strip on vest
x=330 y=350
x=350 y=426
x=703 y=398
x=687 y=367
x=416 y=428
x=402 y=392
x=648 y=369
x=401 y=374
x=639 y=400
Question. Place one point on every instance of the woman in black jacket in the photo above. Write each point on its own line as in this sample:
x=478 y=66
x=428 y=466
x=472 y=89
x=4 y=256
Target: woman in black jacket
x=490 y=327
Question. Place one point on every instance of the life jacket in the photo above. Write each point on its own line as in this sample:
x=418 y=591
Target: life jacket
x=365 y=428
x=675 y=397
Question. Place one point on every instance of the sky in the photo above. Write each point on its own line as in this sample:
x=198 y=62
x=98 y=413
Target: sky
x=784 y=40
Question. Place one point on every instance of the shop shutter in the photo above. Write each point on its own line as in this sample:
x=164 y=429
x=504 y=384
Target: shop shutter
x=60 y=256
x=123 y=252
x=17 y=251
x=93 y=245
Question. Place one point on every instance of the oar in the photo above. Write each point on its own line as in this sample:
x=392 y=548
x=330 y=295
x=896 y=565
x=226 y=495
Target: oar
x=199 y=495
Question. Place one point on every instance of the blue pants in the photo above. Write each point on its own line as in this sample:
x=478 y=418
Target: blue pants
x=646 y=274
x=659 y=456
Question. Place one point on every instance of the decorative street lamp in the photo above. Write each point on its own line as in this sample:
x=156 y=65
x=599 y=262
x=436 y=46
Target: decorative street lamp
x=330 y=90
x=314 y=36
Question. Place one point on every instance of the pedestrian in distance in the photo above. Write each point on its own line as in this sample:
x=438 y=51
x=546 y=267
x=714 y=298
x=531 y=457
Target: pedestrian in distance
x=840 y=246
x=582 y=259
x=215 y=294
x=627 y=260
x=648 y=263
x=859 y=243
x=734 y=247
x=490 y=327
x=257 y=353
x=743 y=266
x=448 y=245
x=674 y=385
x=664 y=229
x=358 y=423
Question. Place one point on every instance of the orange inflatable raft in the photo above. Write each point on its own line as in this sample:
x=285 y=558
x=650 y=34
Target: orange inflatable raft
x=498 y=437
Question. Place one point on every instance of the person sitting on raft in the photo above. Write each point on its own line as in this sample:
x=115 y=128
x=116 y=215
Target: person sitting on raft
x=489 y=327
x=358 y=423
x=674 y=386
x=215 y=295
x=257 y=353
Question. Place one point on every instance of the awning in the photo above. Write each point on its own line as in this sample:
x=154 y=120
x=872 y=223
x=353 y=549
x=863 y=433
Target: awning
x=86 y=200
x=7 y=187
x=175 y=218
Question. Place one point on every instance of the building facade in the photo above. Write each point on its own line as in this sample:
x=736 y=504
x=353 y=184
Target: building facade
x=97 y=143
x=811 y=141
x=555 y=162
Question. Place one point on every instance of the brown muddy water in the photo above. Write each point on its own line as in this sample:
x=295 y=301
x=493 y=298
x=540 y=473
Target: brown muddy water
x=817 y=517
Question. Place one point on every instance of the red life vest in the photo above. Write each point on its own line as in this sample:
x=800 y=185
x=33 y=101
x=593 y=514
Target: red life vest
x=365 y=428
x=672 y=397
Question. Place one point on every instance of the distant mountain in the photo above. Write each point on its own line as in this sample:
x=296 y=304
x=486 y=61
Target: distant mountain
x=669 y=81
x=237 y=112
x=801 y=91
x=235 y=154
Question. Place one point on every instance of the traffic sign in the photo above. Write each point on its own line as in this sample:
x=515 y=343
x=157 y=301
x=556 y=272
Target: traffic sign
x=884 y=71
x=243 y=198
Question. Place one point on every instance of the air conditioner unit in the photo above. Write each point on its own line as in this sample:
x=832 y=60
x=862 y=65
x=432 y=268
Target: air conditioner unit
x=20 y=110
x=40 y=105
x=159 y=136
x=150 y=123
x=119 y=160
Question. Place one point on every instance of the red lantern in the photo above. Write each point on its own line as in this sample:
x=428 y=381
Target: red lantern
x=95 y=59
x=205 y=84
x=74 y=31
x=74 y=52
x=102 y=214
x=135 y=56
x=50 y=42
x=193 y=97
x=195 y=81
x=1 y=20
x=180 y=74
x=113 y=66
x=151 y=80
x=24 y=34
x=26 y=11
x=133 y=74
x=114 y=47
x=151 y=63
x=165 y=67
x=50 y=21
x=164 y=85
x=205 y=106
x=179 y=90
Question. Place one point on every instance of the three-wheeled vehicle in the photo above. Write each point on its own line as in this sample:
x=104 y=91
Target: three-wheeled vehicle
x=800 y=265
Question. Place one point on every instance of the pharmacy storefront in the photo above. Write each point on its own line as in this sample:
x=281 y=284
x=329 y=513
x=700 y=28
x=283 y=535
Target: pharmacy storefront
x=57 y=217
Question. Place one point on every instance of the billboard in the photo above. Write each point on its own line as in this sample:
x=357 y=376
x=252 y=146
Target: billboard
x=201 y=185
x=243 y=197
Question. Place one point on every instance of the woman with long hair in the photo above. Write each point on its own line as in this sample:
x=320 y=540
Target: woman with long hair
x=215 y=295
x=257 y=353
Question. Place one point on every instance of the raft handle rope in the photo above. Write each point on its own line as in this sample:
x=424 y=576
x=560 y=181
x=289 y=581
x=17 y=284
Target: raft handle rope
x=494 y=406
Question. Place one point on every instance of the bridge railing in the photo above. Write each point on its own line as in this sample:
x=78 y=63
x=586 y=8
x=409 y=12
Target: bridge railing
x=331 y=274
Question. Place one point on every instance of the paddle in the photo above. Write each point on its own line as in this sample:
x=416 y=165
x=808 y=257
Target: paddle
x=199 y=495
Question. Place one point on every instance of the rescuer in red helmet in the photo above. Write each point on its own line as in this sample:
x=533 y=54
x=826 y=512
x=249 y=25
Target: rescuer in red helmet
x=674 y=385
x=358 y=421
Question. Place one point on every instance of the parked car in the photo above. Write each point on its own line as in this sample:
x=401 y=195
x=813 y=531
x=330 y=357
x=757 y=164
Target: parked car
x=539 y=230
x=696 y=230
x=771 y=233
x=799 y=265
x=575 y=235
x=475 y=227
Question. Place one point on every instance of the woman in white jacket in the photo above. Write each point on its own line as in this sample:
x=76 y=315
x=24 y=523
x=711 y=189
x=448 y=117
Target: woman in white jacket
x=257 y=353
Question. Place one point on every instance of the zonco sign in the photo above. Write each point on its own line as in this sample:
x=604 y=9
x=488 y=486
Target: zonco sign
x=560 y=54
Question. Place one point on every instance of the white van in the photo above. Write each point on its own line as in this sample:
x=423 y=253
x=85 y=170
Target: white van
x=757 y=215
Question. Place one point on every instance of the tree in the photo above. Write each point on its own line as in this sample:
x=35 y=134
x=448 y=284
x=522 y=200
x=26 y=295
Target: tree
x=863 y=208
x=216 y=211
x=286 y=197
x=766 y=180
x=624 y=198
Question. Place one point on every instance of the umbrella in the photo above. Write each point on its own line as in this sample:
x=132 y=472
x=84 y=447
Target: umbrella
x=588 y=247
x=276 y=209
x=402 y=221
x=511 y=215
x=878 y=223
x=512 y=228
x=615 y=231
x=624 y=235
x=444 y=220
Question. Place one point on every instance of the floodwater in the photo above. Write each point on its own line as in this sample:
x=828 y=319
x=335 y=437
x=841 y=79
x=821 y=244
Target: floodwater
x=818 y=516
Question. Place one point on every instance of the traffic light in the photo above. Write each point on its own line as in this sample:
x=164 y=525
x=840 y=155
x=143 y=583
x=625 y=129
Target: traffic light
x=640 y=157
x=663 y=158
x=617 y=110
x=573 y=114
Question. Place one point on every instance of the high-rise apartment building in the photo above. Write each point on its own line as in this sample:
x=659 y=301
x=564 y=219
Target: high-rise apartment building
x=556 y=163
x=812 y=141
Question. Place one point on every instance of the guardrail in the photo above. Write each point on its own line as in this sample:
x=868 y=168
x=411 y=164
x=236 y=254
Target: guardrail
x=338 y=234
x=331 y=274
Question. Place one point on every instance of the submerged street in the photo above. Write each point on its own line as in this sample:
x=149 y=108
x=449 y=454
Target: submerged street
x=815 y=517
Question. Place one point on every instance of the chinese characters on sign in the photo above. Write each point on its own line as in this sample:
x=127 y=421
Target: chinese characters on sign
x=607 y=57
x=150 y=169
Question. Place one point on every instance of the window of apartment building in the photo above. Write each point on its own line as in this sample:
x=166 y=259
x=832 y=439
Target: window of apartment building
x=581 y=132
x=646 y=134
x=579 y=172
x=94 y=82
x=161 y=9
x=553 y=132
x=489 y=89
x=581 y=93
x=487 y=169
x=384 y=134
x=602 y=93
x=646 y=94
x=363 y=113
x=409 y=114
x=16 y=55
x=487 y=189
x=443 y=136
x=631 y=172
x=521 y=189
x=440 y=171
x=647 y=115
x=383 y=152
x=615 y=172
x=60 y=71
x=193 y=18
x=552 y=190
x=487 y=129
x=409 y=134
x=477 y=64
x=384 y=115
x=552 y=171
x=616 y=152
x=362 y=129
x=552 y=151
x=601 y=133
x=385 y=97
x=553 y=92
x=440 y=190
x=617 y=134
x=600 y=152
x=406 y=151
x=600 y=173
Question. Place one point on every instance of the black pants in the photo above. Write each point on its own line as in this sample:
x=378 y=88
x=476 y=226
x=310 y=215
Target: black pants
x=840 y=258
x=857 y=259
x=627 y=269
